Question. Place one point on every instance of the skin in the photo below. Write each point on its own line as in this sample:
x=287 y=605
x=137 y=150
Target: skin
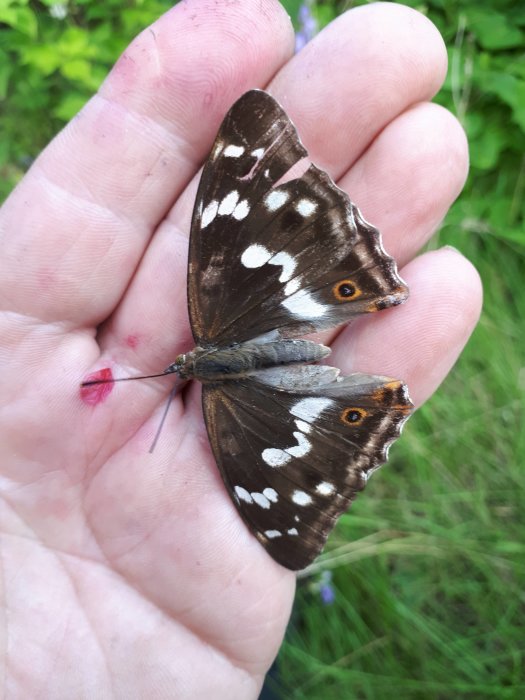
x=130 y=575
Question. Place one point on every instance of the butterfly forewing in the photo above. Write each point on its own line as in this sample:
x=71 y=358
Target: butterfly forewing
x=294 y=256
x=256 y=146
x=294 y=460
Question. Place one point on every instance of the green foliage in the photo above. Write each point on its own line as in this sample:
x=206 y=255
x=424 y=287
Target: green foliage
x=53 y=56
x=428 y=567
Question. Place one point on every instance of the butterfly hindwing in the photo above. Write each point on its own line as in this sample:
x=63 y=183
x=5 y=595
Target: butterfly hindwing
x=268 y=254
x=294 y=458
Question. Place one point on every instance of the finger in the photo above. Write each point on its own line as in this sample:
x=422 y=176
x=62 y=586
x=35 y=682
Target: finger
x=420 y=341
x=367 y=67
x=76 y=227
x=405 y=182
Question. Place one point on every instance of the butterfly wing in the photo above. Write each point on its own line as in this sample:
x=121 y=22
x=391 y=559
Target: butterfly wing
x=294 y=457
x=265 y=254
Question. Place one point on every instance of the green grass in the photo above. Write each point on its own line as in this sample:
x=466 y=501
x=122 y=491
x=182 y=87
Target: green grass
x=429 y=566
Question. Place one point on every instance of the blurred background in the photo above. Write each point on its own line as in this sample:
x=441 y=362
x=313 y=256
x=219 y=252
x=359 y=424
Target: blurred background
x=420 y=593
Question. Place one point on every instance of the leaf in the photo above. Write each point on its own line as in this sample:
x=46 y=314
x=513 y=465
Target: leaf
x=20 y=18
x=45 y=58
x=493 y=30
x=70 y=105
x=4 y=152
x=80 y=71
x=324 y=14
x=5 y=73
x=76 y=43
x=510 y=89
x=488 y=148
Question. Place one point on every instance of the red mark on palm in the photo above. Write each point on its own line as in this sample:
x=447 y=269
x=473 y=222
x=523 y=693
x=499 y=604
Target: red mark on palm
x=96 y=393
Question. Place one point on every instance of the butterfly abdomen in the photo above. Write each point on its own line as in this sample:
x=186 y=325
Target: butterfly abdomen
x=221 y=364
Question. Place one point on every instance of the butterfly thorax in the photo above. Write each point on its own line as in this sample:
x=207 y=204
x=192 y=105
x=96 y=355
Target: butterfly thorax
x=219 y=364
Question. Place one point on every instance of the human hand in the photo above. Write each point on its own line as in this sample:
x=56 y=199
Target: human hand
x=128 y=574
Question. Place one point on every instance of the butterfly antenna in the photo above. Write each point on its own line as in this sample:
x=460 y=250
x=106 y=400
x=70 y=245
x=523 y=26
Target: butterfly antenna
x=163 y=419
x=93 y=382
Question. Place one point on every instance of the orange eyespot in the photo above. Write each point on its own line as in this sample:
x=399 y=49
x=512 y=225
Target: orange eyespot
x=346 y=290
x=353 y=416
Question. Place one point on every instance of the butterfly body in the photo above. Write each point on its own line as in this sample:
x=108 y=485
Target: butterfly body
x=234 y=362
x=273 y=257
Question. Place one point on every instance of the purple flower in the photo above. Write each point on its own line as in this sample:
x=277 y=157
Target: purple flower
x=307 y=25
x=327 y=594
x=326 y=590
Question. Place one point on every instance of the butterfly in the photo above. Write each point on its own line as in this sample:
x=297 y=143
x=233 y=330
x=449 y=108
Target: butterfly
x=272 y=258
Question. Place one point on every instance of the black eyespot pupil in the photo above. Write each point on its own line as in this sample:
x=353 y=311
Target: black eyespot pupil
x=353 y=416
x=346 y=289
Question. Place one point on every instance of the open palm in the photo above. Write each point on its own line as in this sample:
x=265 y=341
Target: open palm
x=130 y=575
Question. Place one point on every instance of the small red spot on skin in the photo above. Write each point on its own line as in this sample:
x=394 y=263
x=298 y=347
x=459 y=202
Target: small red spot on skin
x=96 y=393
x=132 y=341
x=45 y=279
